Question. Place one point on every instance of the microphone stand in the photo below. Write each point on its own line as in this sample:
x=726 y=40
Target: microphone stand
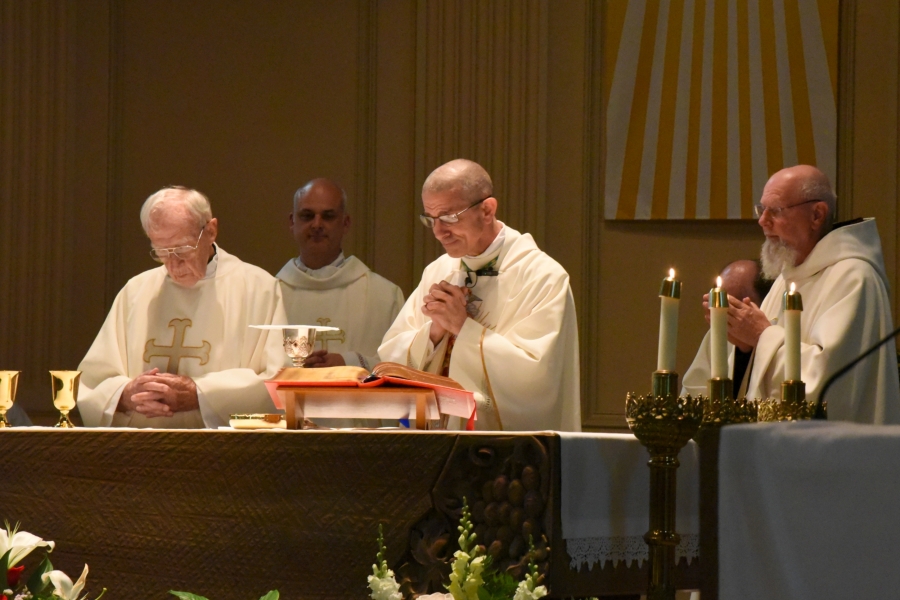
x=820 y=413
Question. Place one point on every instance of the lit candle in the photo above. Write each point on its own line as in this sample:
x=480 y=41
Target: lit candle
x=718 y=331
x=669 y=297
x=793 y=306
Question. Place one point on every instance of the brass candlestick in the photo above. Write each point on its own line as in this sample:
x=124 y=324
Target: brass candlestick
x=65 y=394
x=792 y=406
x=663 y=423
x=9 y=381
x=721 y=407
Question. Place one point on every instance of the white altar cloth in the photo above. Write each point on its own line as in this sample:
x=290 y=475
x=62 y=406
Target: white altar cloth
x=809 y=510
x=605 y=495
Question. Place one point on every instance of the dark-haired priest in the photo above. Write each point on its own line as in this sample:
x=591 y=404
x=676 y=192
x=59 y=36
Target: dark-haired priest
x=176 y=350
x=495 y=313
x=321 y=286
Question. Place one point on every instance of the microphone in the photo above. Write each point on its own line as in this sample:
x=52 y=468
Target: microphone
x=820 y=412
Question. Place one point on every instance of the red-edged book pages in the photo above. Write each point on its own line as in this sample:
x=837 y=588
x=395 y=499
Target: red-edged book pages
x=452 y=398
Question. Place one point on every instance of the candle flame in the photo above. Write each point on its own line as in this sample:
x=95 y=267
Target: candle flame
x=671 y=273
x=793 y=287
x=718 y=282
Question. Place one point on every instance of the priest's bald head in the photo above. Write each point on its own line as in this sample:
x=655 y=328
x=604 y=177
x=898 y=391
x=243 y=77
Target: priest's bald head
x=319 y=222
x=182 y=230
x=460 y=208
x=743 y=279
x=795 y=211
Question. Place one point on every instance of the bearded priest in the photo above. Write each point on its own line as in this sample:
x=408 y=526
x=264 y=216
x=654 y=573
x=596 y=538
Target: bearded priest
x=838 y=269
x=176 y=350
x=495 y=313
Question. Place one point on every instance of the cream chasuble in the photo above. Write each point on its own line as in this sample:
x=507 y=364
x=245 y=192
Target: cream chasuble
x=201 y=332
x=353 y=298
x=846 y=309
x=518 y=350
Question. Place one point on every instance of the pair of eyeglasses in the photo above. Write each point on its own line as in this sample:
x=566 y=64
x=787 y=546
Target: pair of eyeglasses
x=429 y=221
x=182 y=252
x=775 y=212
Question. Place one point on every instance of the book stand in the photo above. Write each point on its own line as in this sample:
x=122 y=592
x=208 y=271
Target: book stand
x=417 y=404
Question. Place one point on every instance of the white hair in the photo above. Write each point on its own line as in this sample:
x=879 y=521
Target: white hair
x=196 y=204
x=775 y=257
x=819 y=188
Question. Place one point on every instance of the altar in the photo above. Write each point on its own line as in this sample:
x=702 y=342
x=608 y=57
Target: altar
x=233 y=514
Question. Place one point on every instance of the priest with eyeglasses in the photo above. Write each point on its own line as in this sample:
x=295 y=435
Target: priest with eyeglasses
x=176 y=350
x=495 y=313
x=839 y=270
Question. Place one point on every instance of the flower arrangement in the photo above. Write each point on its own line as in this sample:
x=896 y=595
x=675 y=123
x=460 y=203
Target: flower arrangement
x=16 y=545
x=472 y=577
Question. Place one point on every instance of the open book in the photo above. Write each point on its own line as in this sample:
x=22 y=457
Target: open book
x=351 y=376
x=452 y=398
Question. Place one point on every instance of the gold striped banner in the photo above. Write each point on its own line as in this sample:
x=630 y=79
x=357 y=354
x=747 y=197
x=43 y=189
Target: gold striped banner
x=708 y=98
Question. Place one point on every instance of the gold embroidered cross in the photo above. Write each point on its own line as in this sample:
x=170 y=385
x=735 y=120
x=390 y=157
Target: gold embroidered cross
x=177 y=350
x=329 y=336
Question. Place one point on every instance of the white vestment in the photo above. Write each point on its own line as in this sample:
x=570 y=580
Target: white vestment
x=353 y=298
x=201 y=332
x=846 y=310
x=518 y=350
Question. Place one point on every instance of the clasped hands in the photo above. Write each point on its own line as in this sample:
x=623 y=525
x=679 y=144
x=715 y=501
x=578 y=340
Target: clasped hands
x=156 y=394
x=746 y=322
x=445 y=305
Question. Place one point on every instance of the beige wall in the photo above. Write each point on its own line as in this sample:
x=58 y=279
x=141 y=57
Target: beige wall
x=102 y=102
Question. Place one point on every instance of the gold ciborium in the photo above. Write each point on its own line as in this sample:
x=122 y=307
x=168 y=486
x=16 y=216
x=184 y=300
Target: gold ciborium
x=9 y=380
x=65 y=394
x=663 y=422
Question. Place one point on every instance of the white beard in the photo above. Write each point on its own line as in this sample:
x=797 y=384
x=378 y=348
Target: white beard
x=775 y=256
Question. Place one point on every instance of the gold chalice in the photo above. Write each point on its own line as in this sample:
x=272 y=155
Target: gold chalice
x=65 y=394
x=8 y=382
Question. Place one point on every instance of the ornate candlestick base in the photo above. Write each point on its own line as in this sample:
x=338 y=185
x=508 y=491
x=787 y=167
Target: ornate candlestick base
x=663 y=423
x=721 y=408
x=792 y=407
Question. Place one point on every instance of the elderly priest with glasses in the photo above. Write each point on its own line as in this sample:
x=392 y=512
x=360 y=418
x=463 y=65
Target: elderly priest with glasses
x=838 y=268
x=175 y=350
x=495 y=313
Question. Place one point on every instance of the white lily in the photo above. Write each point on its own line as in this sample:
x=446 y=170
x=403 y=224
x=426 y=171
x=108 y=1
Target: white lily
x=63 y=586
x=21 y=543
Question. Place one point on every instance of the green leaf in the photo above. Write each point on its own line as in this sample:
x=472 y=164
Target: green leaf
x=273 y=595
x=186 y=595
x=36 y=582
x=4 y=567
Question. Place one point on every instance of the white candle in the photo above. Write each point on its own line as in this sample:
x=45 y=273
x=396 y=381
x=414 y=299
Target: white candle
x=669 y=297
x=718 y=331
x=793 y=306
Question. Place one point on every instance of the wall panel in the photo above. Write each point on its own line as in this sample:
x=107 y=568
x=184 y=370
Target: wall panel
x=35 y=253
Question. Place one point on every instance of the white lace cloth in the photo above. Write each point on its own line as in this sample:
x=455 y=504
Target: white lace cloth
x=591 y=551
x=604 y=503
